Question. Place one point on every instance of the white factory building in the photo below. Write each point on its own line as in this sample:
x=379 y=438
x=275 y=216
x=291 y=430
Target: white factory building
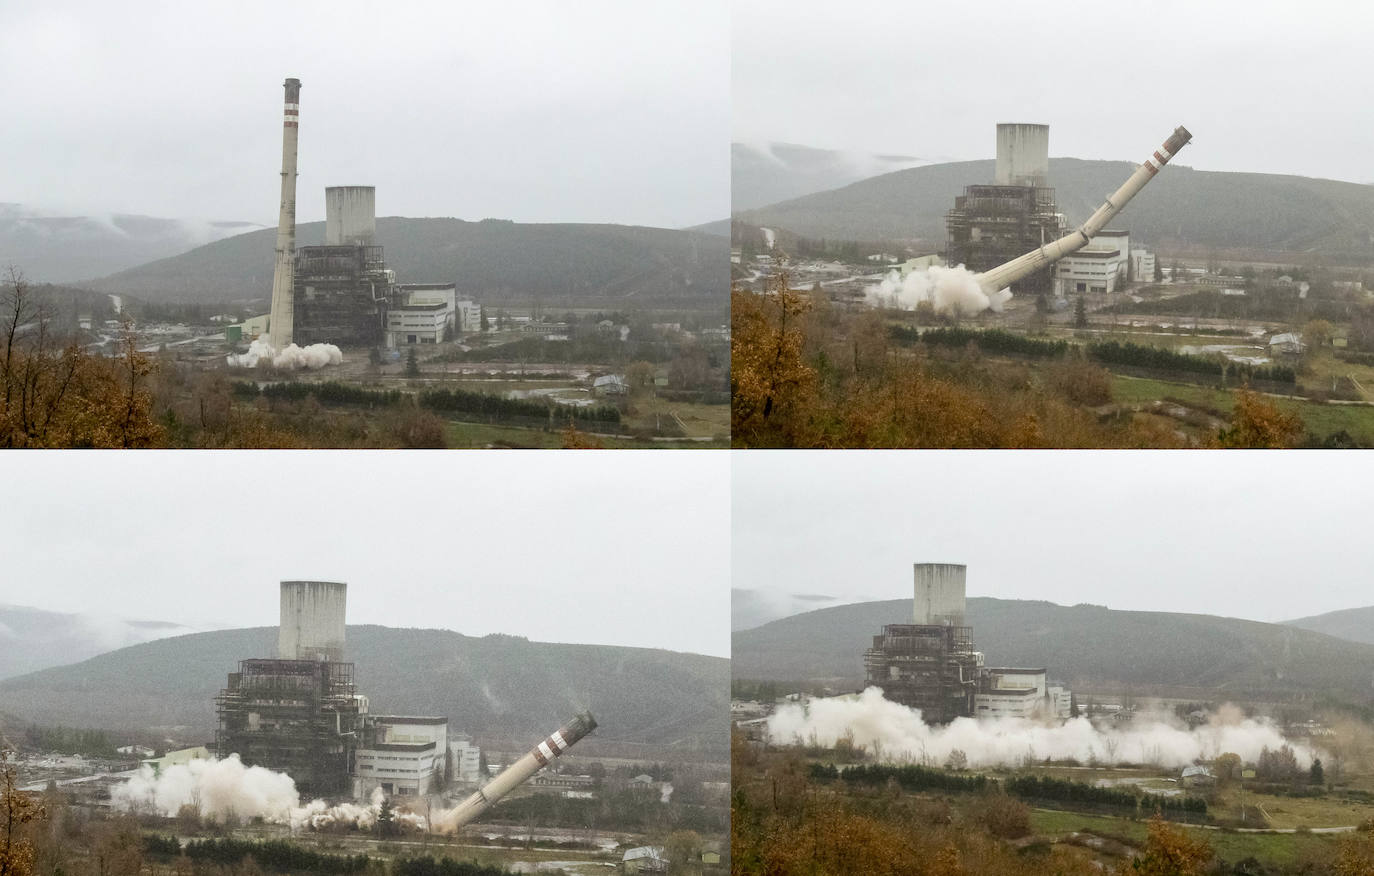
x=1097 y=267
x=428 y=312
x=1008 y=692
x=404 y=756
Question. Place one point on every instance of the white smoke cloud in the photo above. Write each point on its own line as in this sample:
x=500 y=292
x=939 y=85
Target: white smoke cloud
x=952 y=291
x=224 y=788
x=262 y=352
x=900 y=734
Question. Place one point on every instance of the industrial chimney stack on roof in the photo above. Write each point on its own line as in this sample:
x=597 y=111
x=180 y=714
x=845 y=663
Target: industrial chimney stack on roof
x=312 y=620
x=939 y=595
x=281 y=327
x=1023 y=155
x=350 y=215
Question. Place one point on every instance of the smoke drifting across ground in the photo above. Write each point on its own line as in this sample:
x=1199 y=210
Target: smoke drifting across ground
x=951 y=291
x=222 y=789
x=261 y=352
x=897 y=733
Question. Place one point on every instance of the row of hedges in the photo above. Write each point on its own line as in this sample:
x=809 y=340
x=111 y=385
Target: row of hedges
x=273 y=855
x=1069 y=791
x=1159 y=359
x=448 y=401
x=909 y=778
x=1107 y=352
x=1045 y=788
x=991 y=340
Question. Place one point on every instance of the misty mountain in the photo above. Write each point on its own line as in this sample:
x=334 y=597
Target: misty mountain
x=1354 y=624
x=492 y=260
x=495 y=685
x=1087 y=646
x=32 y=639
x=752 y=608
x=52 y=248
x=766 y=173
x=1181 y=206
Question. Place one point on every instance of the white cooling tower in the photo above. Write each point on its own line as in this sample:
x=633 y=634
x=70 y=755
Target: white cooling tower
x=939 y=594
x=312 y=620
x=350 y=215
x=1023 y=155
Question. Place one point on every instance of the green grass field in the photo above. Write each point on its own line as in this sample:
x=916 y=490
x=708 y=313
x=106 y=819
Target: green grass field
x=1282 y=850
x=1320 y=419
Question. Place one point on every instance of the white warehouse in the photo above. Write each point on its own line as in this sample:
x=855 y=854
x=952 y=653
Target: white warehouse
x=1098 y=267
x=404 y=756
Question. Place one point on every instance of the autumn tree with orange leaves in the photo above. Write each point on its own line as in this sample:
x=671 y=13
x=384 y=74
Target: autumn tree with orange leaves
x=1170 y=851
x=770 y=383
x=1257 y=422
x=16 y=810
x=55 y=394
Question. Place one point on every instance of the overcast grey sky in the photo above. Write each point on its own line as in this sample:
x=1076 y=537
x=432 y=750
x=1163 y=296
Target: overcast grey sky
x=1257 y=535
x=598 y=110
x=1269 y=86
x=623 y=548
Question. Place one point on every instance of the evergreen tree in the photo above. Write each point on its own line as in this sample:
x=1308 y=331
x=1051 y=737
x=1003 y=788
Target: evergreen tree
x=386 y=819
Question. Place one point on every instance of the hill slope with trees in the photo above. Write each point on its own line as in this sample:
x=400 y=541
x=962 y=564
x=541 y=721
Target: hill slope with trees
x=495 y=685
x=1180 y=207
x=1354 y=624
x=1084 y=645
x=492 y=260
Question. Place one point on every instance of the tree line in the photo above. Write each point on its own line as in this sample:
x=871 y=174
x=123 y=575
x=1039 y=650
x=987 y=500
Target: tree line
x=451 y=401
x=911 y=777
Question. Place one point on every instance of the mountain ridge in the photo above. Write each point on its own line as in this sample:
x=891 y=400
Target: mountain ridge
x=1353 y=624
x=492 y=260
x=1083 y=645
x=1182 y=207
x=496 y=685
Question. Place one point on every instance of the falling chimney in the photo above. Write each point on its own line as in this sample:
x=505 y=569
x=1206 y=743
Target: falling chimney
x=283 y=278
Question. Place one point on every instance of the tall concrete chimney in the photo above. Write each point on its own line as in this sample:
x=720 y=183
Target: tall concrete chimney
x=939 y=595
x=1023 y=155
x=350 y=215
x=312 y=620
x=281 y=328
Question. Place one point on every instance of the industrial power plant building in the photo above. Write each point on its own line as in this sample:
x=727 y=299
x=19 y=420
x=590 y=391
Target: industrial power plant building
x=342 y=292
x=993 y=224
x=300 y=712
x=931 y=664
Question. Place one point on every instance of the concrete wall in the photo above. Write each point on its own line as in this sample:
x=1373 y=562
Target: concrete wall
x=350 y=215
x=312 y=620
x=939 y=594
x=1023 y=155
